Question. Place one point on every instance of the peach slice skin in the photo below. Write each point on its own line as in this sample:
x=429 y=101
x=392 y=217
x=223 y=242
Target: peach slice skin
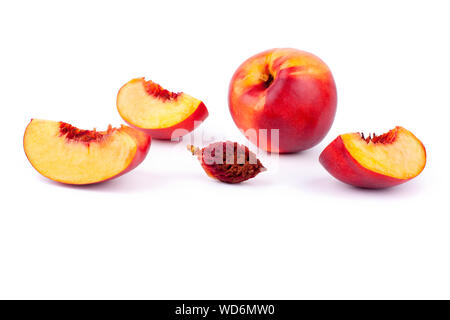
x=82 y=163
x=143 y=142
x=339 y=161
x=172 y=128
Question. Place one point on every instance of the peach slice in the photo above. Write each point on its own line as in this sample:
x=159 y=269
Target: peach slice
x=69 y=155
x=376 y=161
x=160 y=113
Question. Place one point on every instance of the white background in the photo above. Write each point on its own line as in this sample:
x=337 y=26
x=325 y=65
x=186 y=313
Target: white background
x=166 y=230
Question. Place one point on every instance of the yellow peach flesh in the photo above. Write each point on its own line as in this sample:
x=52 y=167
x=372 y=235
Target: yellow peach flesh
x=145 y=111
x=403 y=158
x=74 y=162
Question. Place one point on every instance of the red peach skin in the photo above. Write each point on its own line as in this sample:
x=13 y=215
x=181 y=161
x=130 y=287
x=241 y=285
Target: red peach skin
x=288 y=90
x=143 y=141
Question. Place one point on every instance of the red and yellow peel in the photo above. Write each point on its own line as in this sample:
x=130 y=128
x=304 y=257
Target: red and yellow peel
x=284 y=89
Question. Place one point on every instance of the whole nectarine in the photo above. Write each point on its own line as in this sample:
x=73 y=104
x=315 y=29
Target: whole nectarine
x=288 y=90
